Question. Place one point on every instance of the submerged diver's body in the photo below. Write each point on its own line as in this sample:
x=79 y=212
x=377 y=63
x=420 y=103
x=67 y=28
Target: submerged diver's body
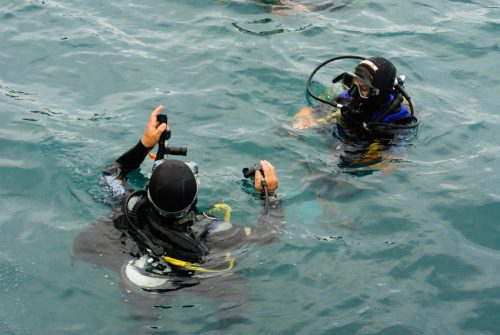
x=294 y=6
x=160 y=242
x=372 y=120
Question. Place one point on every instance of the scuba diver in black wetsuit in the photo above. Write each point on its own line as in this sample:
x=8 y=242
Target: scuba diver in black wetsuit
x=158 y=240
x=373 y=116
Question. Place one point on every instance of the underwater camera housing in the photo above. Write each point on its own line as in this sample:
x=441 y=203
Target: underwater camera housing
x=163 y=148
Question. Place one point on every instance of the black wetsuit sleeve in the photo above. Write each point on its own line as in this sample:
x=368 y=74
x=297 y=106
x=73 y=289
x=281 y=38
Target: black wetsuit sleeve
x=115 y=174
x=132 y=159
x=270 y=225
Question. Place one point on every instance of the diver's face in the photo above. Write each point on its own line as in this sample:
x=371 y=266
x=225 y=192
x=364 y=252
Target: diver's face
x=357 y=85
x=363 y=88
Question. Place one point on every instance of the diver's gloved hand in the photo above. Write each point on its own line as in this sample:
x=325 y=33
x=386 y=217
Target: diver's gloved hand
x=269 y=176
x=153 y=130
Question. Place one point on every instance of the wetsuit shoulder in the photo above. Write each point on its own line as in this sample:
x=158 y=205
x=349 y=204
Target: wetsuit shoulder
x=103 y=245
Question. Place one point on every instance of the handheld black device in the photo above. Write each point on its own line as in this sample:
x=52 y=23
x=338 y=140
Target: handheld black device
x=163 y=148
x=250 y=172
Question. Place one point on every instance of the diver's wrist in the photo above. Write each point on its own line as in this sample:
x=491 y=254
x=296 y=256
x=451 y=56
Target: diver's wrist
x=144 y=146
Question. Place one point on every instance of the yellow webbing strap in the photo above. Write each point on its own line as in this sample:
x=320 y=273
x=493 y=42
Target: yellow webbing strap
x=330 y=118
x=192 y=267
x=225 y=208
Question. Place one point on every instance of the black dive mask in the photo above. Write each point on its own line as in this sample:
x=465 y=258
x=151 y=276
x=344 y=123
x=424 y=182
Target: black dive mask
x=355 y=95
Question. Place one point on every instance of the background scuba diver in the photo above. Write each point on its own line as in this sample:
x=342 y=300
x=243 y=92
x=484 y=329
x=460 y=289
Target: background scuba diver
x=367 y=127
x=294 y=6
x=158 y=240
x=372 y=119
x=284 y=7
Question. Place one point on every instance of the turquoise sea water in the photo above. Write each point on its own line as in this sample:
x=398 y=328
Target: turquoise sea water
x=410 y=251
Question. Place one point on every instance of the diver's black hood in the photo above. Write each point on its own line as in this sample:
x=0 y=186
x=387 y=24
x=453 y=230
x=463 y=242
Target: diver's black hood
x=172 y=188
x=380 y=73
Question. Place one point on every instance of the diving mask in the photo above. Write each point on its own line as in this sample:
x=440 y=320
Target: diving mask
x=364 y=88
